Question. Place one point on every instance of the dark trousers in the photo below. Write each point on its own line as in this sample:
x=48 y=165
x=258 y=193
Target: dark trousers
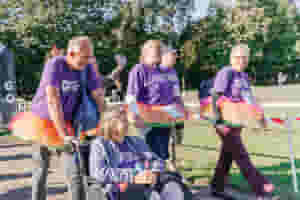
x=234 y=150
x=158 y=140
x=41 y=159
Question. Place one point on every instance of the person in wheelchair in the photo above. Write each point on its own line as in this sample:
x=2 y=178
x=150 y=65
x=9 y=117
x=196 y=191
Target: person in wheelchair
x=127 y=168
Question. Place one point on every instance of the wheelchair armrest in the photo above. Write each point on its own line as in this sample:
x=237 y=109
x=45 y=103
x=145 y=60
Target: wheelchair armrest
x=92 y=180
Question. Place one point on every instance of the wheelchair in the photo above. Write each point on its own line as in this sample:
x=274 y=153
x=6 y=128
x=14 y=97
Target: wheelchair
x=93 y=190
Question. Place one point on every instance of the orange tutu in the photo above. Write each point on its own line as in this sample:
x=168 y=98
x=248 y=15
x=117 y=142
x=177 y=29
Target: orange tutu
x=159 y=115
x=31 y=127
x=235 y=113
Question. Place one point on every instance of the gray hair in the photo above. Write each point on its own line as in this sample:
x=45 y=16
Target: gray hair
x=75 y=43
x=240 y=47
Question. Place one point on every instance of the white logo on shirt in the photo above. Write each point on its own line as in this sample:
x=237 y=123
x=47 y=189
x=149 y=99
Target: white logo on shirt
x=237 y=83
x=172 y=77
x=245 y=84
x=68 y=86
x=161 y=78
x=155 y=79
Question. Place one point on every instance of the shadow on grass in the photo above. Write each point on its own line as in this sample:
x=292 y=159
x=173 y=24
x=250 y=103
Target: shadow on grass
x=208 y=148
x=25 y=193
x=280 y=175
x=16 y=157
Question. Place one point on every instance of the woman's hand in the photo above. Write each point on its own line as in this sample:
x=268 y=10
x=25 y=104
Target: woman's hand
x=146 y=177
x=222 y=128
x=136 y=120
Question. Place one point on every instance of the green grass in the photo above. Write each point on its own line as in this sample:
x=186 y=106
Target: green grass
x=4 y=133
x=269 y=151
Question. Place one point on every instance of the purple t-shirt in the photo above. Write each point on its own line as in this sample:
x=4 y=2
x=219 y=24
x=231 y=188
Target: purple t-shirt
x=234 y=88
x=155 y=86
x=59 y=75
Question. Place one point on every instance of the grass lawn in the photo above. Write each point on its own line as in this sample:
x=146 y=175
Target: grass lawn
x=268 y=150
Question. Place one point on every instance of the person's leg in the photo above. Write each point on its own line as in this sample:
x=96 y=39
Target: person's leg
x=172 y=190
x=241 y=156
x=158 y=141
x=222 y=169
x=73 y=178
x=41 y=158
x=223 y=165
x=96 y=192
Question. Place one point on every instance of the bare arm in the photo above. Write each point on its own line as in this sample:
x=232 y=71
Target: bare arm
x=98 y=96
x=55 y=110
x=93 y=62
x=118 y=84
x=95 y=66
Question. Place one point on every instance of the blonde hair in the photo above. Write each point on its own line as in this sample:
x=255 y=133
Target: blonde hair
x=109 y=123
x=237 y=48
x=157 y=44
x=76 y=44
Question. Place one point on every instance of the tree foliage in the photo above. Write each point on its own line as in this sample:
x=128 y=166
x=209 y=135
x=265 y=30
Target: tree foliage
x=30 y=27
x=264 y=25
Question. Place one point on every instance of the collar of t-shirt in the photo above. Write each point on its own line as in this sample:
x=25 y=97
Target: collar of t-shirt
x=163 y=68
x=237 y=72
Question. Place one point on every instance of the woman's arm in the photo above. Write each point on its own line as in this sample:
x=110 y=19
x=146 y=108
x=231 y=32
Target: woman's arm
x=158 y=164
x=101 y=169
x=220 y=85
x=134 y=88
x=93 y=62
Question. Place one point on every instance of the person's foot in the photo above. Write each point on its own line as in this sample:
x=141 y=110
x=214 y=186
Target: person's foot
x=268 y=188
x=171 y=166
x=221 y=194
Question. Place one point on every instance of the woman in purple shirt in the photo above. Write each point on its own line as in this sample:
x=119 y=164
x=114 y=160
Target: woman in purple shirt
x=153 y=84
x=235 y=86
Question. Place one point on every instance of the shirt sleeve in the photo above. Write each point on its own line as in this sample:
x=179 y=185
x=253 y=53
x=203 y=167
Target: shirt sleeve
x=135 y=85
x=51 y=73
x=157 y=163
x=94 y=82
x=102 y=171
x=176 y=92
x=221 y=81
